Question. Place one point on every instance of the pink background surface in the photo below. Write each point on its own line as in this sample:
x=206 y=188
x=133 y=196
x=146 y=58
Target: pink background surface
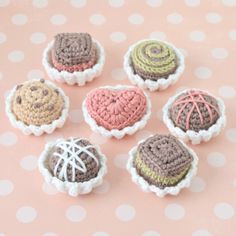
x=206 y=32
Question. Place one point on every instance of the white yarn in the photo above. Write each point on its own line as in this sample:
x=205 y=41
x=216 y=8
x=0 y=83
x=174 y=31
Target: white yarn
x=69 y=157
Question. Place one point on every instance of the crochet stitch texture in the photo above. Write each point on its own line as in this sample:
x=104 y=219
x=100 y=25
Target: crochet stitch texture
x=153 y=60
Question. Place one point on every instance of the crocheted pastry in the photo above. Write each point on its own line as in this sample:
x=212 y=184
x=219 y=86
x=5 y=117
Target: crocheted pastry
x=162 y=161
x=74 y=160
x=116 y=109
x=74 y=52
x=194 y=110
x=153 y=60
x=37 y=103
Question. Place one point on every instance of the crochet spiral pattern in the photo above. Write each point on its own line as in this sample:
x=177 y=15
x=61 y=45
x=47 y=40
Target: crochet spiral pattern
x=37 y=103
x=162 y=160
x=116 y=109
x=74 y=160
x=74 y=52
x=194 y=110
x=153 y=60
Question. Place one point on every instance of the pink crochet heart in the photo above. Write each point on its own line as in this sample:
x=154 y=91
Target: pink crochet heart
x=116 y=109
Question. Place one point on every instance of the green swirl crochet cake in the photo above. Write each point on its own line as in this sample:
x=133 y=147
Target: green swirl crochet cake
x=153 y=60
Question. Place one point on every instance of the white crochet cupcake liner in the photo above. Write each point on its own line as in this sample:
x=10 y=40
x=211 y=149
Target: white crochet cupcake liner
x=72 y=188
x=77 y=77
x=146 y=187
x=33 y=129
x=191 y=135
x=115 y=132
x=161 y=83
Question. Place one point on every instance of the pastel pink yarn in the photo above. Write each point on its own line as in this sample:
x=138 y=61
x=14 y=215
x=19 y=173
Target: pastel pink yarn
x=116 y=109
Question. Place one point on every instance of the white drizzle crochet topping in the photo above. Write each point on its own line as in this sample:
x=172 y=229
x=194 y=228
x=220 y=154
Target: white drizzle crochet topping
x=70 y=156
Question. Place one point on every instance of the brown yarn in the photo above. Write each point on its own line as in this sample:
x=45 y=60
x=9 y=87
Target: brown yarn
x=36 y=103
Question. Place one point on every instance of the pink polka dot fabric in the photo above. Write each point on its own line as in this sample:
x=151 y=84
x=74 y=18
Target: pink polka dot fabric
x=205 y=31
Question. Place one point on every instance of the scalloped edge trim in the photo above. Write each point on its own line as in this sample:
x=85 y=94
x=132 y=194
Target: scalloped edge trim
x=190 y=135
x=71 y=188
x=115 y=132
x=77 y=77
x=161 y=83
x=173 y=190
x=33 y=129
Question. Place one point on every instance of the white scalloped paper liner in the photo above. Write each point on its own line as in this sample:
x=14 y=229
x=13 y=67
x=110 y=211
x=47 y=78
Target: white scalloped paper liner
x=160 y=84
x=33 y=129
x=72 y=188
x=115 y=132
x=190 y=135
x=146 y=187
x=77 y=77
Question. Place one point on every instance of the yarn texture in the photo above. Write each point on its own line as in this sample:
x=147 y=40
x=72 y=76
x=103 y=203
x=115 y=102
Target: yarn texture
x=37 y=103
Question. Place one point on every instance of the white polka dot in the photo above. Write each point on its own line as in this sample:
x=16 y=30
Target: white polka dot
x=227 y=91
x=116 y=3
x=16 y=56
x=1 y=76
x=53 y=137
x=136 y=19
x=76 y=116
x=100 y=234
x=118 y=37
x=213 y=17
x=125 y=212
x=201 y=232
x=159 y=115
x=216 y=159
x=174 y=211
x=197 y=36
x=184 y=51
x=175 y=18
x=219 y=53
x=49 y=189
x=40 y=3
x=142 y=134
x=75 y=213
x=38 y=38
x=234 y=182
x=118 y=74
x=158 y=35
x=231 y=135
x=103 y=188
x=151 y=233
x=35 y=74
x=224 y=211
x=232 y=34
x=1 y=234
x=97 y=19
x=97 y=139
x=192 y=3
x=19 y=19
x=3 y=38
x=4 y=3
x=197 y=185
x=26 y=214
x=8 y=139
x=29 y=163
x=49 y=234
x=120 y=160
x=6 y=187
x=58 y=19
x=78 y=3
x=203 y=72
x=154 y=3
x=229 y=3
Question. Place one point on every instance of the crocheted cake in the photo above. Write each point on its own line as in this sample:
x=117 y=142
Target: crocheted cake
x=37 y=103
x=116 y=109
x=153 y=60
x=162 y=161
x=194 y=110
x=74 y=160
x=74 y=52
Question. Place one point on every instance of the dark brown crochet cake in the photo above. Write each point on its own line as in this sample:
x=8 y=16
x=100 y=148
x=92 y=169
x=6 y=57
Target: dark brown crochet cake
x=74 y=160
x=194 y=110
x=162 y=160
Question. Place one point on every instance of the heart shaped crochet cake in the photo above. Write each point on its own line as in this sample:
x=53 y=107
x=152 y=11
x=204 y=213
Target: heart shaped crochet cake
x=116 y=108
